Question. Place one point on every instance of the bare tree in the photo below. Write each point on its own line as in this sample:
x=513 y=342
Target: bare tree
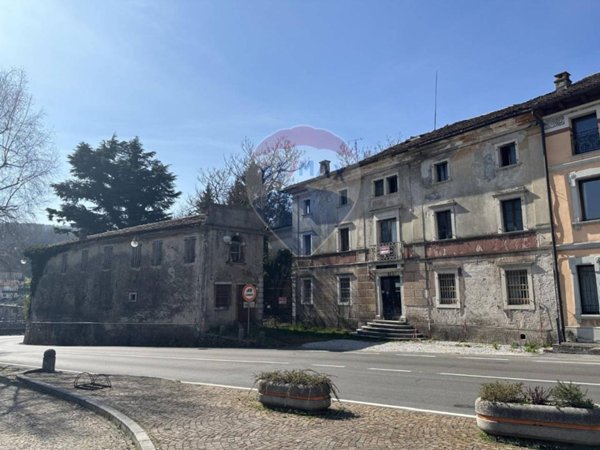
x=351 y=154
x=26 y=158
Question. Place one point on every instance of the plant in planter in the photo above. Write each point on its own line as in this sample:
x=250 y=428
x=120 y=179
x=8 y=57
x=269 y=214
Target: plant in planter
x=562 y=414
x=305 y=390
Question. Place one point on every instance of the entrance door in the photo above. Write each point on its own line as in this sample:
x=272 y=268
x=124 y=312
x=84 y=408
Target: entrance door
x=390 y=298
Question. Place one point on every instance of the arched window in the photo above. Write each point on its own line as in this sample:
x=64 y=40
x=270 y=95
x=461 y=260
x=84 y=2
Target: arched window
x=236 y=253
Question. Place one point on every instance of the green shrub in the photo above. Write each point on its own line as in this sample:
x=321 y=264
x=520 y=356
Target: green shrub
x=532 y=347
x=306 y=377
x=495 y=346
x=537 y=395
x=569 y=394
x=502 y=392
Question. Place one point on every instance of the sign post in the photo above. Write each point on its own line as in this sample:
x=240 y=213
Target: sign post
x=249 y=295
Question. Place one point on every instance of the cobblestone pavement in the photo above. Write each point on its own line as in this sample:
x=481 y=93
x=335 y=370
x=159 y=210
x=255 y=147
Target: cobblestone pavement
x=30 y=420
x=184 y=416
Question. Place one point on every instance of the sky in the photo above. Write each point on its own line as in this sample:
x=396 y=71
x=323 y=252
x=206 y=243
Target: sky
x=194 y=78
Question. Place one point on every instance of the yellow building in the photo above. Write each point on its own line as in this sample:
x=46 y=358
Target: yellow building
x=572 y=143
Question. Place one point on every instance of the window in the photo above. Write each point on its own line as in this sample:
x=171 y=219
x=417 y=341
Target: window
x=189 y=250
x=107 y=257
x=444 y=224
x=136 y=256
x=392 y=184
x=517 y=287
x=307 y=244
x=132 y=296
x=588 y=290
x=157 y=253
x=235 y=250
x=343 y=197
x=378 y=188
x=84 y=260
x=63 y=263
x=589 y=191
x=387 y=231
x=306 y=295
x=344 y=239
x=344 y=293
x=512 y=215
x=440 y=171
x=585 y=134
x=222 y=296
x=306 y=207
x=446 y=287
x=507 y=155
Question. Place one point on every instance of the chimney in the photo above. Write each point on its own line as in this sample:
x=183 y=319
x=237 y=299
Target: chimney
x=562 y=81
x=324 y=167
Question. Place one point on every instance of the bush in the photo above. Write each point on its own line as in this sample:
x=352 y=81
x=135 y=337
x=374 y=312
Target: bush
x=306 y=377
x=532 y=347
x=570 y=395
x=502 y=392
x=537 y=395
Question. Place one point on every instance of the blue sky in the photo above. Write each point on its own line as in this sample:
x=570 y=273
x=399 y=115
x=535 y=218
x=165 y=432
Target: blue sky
x=192 y=79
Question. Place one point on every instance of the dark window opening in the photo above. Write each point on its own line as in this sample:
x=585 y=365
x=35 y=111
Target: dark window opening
x=344 y=239
x=343 y=197
x=378 y=188
x=307 y=207
x=344 y=286
x=387 y=231
x=447 y=288
x=392 y=184
x=307 y=242
x=306 y=291
x=512 y=215
x=132 y=296
x=441 y=171
x=444 y=224
x=588 y=290
x=585 y=134
x=222 y=295
x=189 y=251
x=589 y=191
x=236 y=248
x=508 y=154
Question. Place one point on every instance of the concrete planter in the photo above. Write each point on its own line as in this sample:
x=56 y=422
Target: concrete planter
x=569 y=425
x=283 y=395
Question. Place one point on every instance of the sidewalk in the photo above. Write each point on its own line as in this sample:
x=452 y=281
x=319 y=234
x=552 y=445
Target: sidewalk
x=185 y=416
x=30 y=420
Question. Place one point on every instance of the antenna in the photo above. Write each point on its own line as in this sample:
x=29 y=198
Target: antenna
x=435 y=104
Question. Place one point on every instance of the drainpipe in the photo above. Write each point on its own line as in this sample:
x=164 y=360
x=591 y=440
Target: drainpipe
x=557 y=287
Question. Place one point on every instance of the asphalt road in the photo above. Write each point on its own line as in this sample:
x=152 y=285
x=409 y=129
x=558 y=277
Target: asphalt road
x=424 y=381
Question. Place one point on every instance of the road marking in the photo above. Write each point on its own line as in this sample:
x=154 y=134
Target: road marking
x=122 y=355
x=416 y=354
x=361 y=352
x=483 y=358
x=317 y=351
x=327 y=365
x=356 y=402
x=389 y=370
x=468 y=375
x=567 y=362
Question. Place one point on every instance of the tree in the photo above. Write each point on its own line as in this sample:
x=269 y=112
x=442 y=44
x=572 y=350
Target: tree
x=27 y=160
x=114 y=186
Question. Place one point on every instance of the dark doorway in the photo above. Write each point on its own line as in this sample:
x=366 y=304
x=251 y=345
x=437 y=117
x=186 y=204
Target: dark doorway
x=390 y=298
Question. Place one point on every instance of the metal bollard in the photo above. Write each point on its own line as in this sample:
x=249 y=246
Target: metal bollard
x=49 y=360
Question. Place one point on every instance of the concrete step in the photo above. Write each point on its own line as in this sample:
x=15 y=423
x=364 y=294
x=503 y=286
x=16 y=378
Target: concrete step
x=389 y=326
x=375 y=329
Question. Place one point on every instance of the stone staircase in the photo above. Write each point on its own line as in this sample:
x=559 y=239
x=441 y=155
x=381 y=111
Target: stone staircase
x=390 y=330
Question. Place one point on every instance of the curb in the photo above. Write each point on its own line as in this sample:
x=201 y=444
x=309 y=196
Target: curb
x=130 y=427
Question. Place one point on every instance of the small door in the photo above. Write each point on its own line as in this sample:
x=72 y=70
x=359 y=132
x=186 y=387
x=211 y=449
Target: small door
x=242 y=313
x=391 y=302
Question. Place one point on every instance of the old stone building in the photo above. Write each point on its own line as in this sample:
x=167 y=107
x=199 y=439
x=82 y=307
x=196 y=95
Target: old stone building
x=163 y=283
x=449 y=230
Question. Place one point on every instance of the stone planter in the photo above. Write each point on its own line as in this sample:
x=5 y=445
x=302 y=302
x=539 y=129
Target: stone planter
x=282 y=395
x=550 y=423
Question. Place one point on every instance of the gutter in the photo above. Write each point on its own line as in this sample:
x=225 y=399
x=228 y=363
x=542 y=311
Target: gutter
x=557 y=287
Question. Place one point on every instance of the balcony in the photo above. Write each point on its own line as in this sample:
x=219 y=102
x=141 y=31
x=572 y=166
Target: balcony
x=386 y=251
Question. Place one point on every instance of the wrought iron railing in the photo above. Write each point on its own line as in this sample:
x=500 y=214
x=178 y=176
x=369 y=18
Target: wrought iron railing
x=386 y=251
x=586 y=141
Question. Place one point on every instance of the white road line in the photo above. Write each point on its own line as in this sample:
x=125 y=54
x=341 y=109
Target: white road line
x=389 y=370
x=316 y=351
x=358 y=352
x=468 y=375
x=188 y=359
x=356 y=402
x=483 y=358
x=416 y=354
x=327 y=365
x=568 y=362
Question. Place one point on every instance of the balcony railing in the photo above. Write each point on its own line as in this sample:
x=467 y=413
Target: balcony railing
x=386 y=251
x=586 y=141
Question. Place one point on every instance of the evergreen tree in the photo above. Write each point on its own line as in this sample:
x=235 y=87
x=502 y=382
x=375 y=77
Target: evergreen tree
x=116 y=185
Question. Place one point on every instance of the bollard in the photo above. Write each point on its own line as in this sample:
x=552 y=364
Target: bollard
x=49 y=360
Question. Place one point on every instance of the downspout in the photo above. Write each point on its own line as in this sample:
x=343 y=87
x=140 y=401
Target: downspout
x=295 y=264
x=557 y=287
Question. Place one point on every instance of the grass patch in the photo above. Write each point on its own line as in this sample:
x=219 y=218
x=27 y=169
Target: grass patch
x=278 y=335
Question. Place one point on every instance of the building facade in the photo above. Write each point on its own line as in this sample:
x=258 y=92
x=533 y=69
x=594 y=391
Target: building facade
x=450 y=231
x=165 y=283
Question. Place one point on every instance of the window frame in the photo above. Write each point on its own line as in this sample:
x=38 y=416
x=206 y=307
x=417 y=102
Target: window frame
x=437 y=214
x=132 y=296
x=156 y=258
x=236 y=241
x=306 y=207
x=530 y=305
x=135 y=261
x=303 y=292
x=511 y=194
x=216 y=292
x=341 y=277
x=574 y=179
x=434 y=171
x=189 y=251
x=343 y=194
x=503 y=202
x=574 y=262
x=307 y=251
x=438 y=298
x=376 y=184
x=388 y=189
x=572 y=120
x=341 y=231
x=499 y=149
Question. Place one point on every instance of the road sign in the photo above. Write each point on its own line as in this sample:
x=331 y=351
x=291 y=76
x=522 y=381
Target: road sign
x=249 y=305
x=249 y=293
